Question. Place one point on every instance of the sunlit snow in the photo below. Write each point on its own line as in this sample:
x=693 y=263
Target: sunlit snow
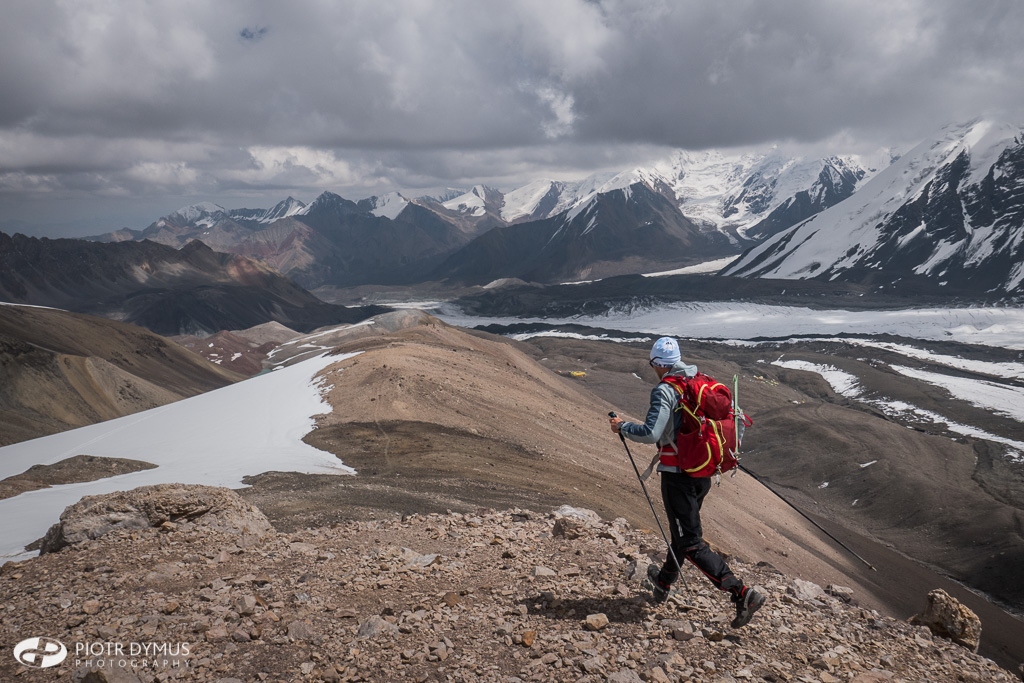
x=988 y=326
x=216 y=438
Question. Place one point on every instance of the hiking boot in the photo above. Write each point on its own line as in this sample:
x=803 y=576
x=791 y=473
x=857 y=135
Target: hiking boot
x=751 y=601
x=659 y=591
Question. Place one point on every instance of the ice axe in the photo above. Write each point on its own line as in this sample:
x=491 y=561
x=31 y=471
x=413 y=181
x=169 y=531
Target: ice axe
x=653 y=511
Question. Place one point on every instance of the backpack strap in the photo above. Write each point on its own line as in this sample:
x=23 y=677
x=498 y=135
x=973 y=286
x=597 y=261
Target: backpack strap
x=682 y=403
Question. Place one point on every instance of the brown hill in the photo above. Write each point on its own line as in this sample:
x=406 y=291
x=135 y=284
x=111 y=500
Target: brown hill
x=64 y=370
x=229 y=350
x=435 y=418
x=192 y=290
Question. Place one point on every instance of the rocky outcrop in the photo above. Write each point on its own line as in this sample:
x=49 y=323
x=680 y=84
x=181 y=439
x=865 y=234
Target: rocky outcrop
x=446 y=597
x=163 y=505
x=945 y=616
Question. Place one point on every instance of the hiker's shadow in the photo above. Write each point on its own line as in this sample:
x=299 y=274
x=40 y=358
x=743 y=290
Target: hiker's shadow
x=618 y=609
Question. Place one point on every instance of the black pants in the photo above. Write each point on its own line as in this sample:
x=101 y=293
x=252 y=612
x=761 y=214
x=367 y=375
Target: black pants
x=683 y=496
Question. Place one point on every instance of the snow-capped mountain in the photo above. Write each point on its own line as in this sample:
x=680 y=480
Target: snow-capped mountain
x=950 y=210
x=388 y=206
x=478 y=202
x=740 y=198
x=748 y=197
x=202 y=214
x=283 y=209
x=630 y=229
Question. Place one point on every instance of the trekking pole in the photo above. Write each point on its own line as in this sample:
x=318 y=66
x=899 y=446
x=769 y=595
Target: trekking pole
x=802 y=514
x=657 y=519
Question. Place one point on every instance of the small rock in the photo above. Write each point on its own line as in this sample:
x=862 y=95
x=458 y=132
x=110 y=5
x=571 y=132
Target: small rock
x=109 y=672
x=656 y=675
x=245 y=605
x=91 y=607
x=374 y=626
x=874 y=676
x=217 y=634
x=300 y=630
x=569 y=528
x=528 y=638
x=842 y=592
x=451 y=599
x=713 y=635
x=596 y=622
x=543 y=571
x=624 y=676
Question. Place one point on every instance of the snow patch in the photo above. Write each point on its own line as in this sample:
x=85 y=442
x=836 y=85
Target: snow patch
x=390 y=205
x=843 y=383
x=1001 y=399
x=705 y=267
x=215 y=439
x=523 y=336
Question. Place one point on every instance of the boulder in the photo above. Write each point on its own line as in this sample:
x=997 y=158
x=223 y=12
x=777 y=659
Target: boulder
x=947 y=617
x=805 y=590
x=588 y=517
x=215 y=508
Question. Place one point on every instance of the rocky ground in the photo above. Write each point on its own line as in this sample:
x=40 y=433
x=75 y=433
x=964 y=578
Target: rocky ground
x=488 y=596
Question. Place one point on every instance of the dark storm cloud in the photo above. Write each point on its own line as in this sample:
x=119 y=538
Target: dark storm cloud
x=192 y=98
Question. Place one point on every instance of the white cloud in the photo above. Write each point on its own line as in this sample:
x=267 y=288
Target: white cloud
x=241 y=96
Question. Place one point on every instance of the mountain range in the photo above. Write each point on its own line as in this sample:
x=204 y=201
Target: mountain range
x=192 y=290
x=684 y=210
x=950 y=211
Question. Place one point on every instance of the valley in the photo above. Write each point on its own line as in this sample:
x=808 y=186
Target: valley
x=418 y=416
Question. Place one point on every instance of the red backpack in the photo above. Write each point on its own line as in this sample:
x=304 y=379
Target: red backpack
x=706 y=441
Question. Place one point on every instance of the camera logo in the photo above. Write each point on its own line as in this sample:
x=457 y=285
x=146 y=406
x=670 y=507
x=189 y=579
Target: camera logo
x=41 y=652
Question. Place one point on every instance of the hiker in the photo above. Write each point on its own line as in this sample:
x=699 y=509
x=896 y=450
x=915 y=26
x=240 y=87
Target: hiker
x=681 y=493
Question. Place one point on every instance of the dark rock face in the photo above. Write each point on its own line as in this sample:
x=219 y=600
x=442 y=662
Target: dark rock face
x=361 y=248
x=836 y=182
x=616 y=232
x=194 y=290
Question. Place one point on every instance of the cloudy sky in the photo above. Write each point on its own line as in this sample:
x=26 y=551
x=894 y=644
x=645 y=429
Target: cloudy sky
x=115 y=113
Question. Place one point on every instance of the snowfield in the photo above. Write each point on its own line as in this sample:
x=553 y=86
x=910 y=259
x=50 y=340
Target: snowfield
x=216 y=439
x=990 y=326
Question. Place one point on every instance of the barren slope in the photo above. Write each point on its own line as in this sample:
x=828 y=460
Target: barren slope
x=433 y=417
x=62 y=370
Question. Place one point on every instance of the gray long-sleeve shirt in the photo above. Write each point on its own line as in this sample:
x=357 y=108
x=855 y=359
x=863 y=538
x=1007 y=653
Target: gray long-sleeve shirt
x=662 y=422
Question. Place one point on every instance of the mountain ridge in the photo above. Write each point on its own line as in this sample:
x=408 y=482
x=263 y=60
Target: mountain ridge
x=170 y=291
x=950 y=210
x=717 y=192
